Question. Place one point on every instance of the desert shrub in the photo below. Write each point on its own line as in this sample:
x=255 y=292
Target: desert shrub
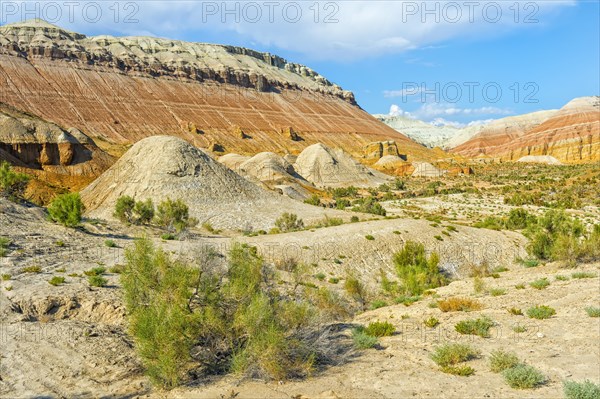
x=333 y=280
x=417 y=271
x=497 y=291
x=490 y=222
x=407 y=300
x=519 y=219
x=320 y=276
x=32 y=269
x=541 y=312
x=561 y=278
x=12 y=184
x=399 y=184
x=431 y=322
x=540 y=284
x=330 y=304
x=581 y=390
x=523 y=377
x=313 y=200
x=500 y=360
x=97 y=281
x=167 y=236
x=519 y=328
x=462 y=370
x=6 y=277
x=143 y=212
x=457 y=304
x=480 y=327
x=362 y=340
x=174 y=215
x=117 y=269
x=520 y=286
x=380 y=329
x=580 y=275
x=369 y=205
x=96 y=271
x=592 y=311
x=354 y=219
x=369 y=237
x=389 y=287
x=554 y=237
x=378 y=304
x=66 y=209
x=289 y=222
x=530 y=262
x=452 y=354
x=515 y=311
x=478 y=285
x=4 y=244
x=234 y=319
x=124 y=209
x=328 y=222
x=356 y=290
x=589 y=250
x=110 y=243
x=56 y=280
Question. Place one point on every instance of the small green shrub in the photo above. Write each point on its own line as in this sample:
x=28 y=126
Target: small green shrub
x=313 y=200
x=457 y=304
x=289 y=222
x=6 y=277
x=581 y=390
x=380 y=329
x=580 y=275
x=520 y=286
x=407 y=300
x=497 y=291
x=362 y=340
x=32 y=269
x=209 y=227
x=97 y=281
x=541 y=312
x=8 y=288
x=417 y=271
x=463 y=370
x=369 y=237
x=431 y=322
x=531 y=262
x=540 y=284
x=96 y=271
x=124 y=209
x=66 y=209
x=59 y=243
x=12 y=184
x=519 y=328
x=452 y=354
x=143 y=213
x=117 y=269
x=561 y=278
x=592 y=311
x=356 y=290
x=174 y=215
x=500 y=360
x=523 y=377
x=333 y=280
x=378 y=304
x=56 y=280
x=4 y=243
x=354 y=219
x=480 y=327
x=167 y=237
x=320 y=276
x=515 y=311
x=110 y=243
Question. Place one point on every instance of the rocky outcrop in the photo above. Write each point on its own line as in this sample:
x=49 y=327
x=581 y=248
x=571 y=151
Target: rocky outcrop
x=326 y=167
x=124 y=89
x=48 y=151
x=376 y=150
x=571 y=135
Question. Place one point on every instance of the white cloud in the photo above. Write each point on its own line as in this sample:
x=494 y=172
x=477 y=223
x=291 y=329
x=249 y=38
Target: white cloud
x=363 y=28
x=437 y=114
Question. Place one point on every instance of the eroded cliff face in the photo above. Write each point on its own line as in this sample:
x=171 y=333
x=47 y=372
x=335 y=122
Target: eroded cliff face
x=571 y=135
x=124 y=89
x=53 y=155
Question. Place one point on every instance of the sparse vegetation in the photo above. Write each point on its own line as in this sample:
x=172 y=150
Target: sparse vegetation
x=431 y=322
x=96 y=271
x=289 y=222
x=97 y=281
x=497 y=291
x=480 y=326
x=515 y=311
x=66 y=209
x=592 y=311
x=12 y=184
x=56 y=280
x=174 y=216
x=541 y=312
x=417 y=271
x=501 y=360
x=380 y=329
x=581 y=390
x=457 y=304
x=362 y=340
x=579 y=275
x=452 y=354
x=4 y=244
x=523 y=376
x=540 y=284
x=32 y=269
x=6 y=277
x=110 y=243
x=369 y=237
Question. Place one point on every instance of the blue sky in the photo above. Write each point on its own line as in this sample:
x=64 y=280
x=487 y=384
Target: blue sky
x=539 y=54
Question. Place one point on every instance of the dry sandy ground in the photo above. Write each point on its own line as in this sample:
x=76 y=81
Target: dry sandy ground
x=71 y=341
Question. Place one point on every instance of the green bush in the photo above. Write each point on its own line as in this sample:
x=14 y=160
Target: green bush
x=313 y=200
x=354 y=219
x=66 y=209
x=143 y=212
x=110 y=243
x=32 y=269
x=541 y=312
x=356 y=290
x=97 y=281
x=581 y=390
x=369 y=237
x=519 y=219
x=463 y=370
x=362 y=340
x=380 y=329
x=289 y=222
x=500 y=360
x=12 y=184
x=431 y=322
x=96 y=271
x=480 y=326
x=174 y=215
x=369 y=205
x=592 y=311
x=378 y=304
x=523 y=377
x=236 y=320
x=56 y=280
x=417 y=271
x=580 y=275
x=452 y=354
x=6 y=277
x=124 y=209
x=540 y=284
